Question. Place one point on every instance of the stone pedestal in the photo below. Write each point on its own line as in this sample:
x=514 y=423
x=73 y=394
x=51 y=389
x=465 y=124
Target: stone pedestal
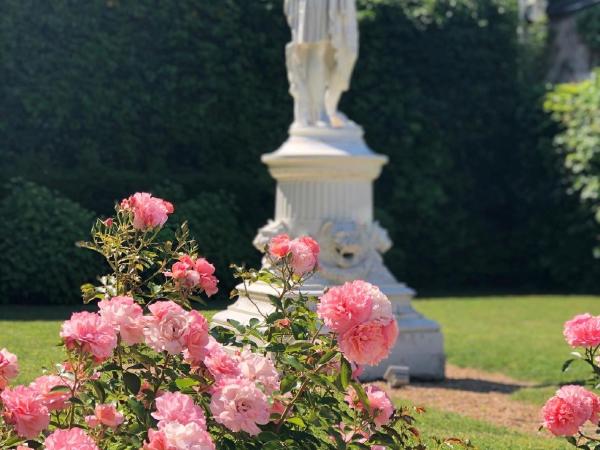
x=325 y=189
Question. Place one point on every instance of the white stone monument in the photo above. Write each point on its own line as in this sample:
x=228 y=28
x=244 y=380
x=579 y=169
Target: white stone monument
x=325 y=174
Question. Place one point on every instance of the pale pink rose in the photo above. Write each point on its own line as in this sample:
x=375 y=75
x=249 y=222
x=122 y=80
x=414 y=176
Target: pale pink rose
x=91 y=333
x=177 y=436
x=569 y=409
x=343 y=307
x=148 y=211
x=54 y=400
x=279 y=246
x=9 y=367
x=304 y=259
x=71 y=439
x=166 y=327
x=259 y=369
x=126 y=316
x=219 y=362
x=369 y=342
x=381 y=407
x=239 y=405
x=92 y=421
x=196 y=338
x=108 y=415
x=582 y=331
x=24 y=409
x=178 y=407
x=23 y=447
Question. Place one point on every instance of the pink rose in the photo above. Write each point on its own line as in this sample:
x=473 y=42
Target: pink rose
x=24 y=409
x=23 y=447
x=369 y=342
x=148 y=211
x=54 y=400
x=108 y=416
x=166 y=327
x=9 y=367
x=126 y=316
x=279 y=246
x=178 y=407
x=380 y=405
x=208 y=281
x=569 y=409
x=219 y=362
x=88 y=331
x=194 y=273
x=239 y=405
x=259 y=369
x=196 y=337
x=343 y=307
x=304 y=259
x=71 y=439
x=582 y=331
x=177 y=436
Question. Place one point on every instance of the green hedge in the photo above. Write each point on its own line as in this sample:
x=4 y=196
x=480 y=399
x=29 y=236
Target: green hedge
x=102 y=98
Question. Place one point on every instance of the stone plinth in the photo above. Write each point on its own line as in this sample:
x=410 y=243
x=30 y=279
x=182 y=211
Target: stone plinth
x=325 y=189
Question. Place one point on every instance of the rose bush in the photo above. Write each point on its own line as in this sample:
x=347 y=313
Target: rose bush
x=147 y=372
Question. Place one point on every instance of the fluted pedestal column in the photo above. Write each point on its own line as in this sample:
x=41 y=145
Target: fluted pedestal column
x=325 y=190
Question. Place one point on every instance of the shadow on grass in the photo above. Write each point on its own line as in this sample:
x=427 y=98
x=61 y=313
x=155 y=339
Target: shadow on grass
x=477 y=385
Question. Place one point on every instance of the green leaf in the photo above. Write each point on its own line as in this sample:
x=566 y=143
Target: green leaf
x=287 y=383
x=186 y=383
x=362 y=395
x=345 y=374
x=327 y=356
x=60 y=389
x=138 y=408
x=567 y=364
x=297 y=421
x=132 y=382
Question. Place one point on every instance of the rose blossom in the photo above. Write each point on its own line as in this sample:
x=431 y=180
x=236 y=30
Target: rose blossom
x=305 y=255
x=106 y=415
x=126 y=316
x=279 y=246
x=178 y=407
x=582 y=331
x=24 y=409
x=239 y=405
x=569 y=409
x=196 y=337
x=177 y=436
x=369 y=342
x=380 y=405
x=89 y=331
x=71 y=439
x=9 y=367
x=208 y=281
x=259 y=369
x=165 y=327
x=193 y=273
x=148 y=211
x=219 y=362
x=54 y=400
x=343 y=307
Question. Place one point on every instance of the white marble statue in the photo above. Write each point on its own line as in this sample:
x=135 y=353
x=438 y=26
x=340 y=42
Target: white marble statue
x=320 y=58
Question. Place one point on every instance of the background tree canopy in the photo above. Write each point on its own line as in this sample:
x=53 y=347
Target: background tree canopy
x=102 y=98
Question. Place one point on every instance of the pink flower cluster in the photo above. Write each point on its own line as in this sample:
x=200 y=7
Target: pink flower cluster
x=125 y=316
x=243 y=383
x=569 y=409
x=105 y=415
x=303 y=252
x=362 y=317
x=70 y=439
x=148 y=212
x=9 y=367
x=583 y=330
x=192 y=273
x=181 y=425
x=380 y=405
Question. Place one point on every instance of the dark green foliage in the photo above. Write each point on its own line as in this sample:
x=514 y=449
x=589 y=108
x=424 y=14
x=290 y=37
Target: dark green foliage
x=39 y=261
x=588 y=25
x=102 y=98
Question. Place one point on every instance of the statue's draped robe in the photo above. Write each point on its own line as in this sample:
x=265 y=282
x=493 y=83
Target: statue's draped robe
x=308 y=19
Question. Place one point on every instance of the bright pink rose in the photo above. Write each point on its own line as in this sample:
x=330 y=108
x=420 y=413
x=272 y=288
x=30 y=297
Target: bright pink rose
x=108 y=415
x=369 y=342
x=54 y=400
x=177 y=436
x=91 y=333
x=24 y=409
x=343 y=307
x=126 y=316
x=582 y=331
x=219 y=362
x=259 y=369
x=9 y=367
x=71 y=439
x=166 y=327
x=148 y=211
x=569 y=409
x=380 y=405
x=304 y=259
x=178 y=407
x=196 y=338
x=279 y=246
x=239 y=405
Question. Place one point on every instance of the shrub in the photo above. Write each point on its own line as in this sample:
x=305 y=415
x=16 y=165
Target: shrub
x=39 y=261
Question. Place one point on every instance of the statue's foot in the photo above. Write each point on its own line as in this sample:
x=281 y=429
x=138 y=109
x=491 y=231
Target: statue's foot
x=337 y=121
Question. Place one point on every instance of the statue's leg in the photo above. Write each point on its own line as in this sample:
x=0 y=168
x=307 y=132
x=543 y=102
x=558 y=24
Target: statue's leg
x=317 y=81
x=296 y=60
x=339 y=82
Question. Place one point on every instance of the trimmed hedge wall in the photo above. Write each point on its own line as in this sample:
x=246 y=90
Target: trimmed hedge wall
x=105 y=97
